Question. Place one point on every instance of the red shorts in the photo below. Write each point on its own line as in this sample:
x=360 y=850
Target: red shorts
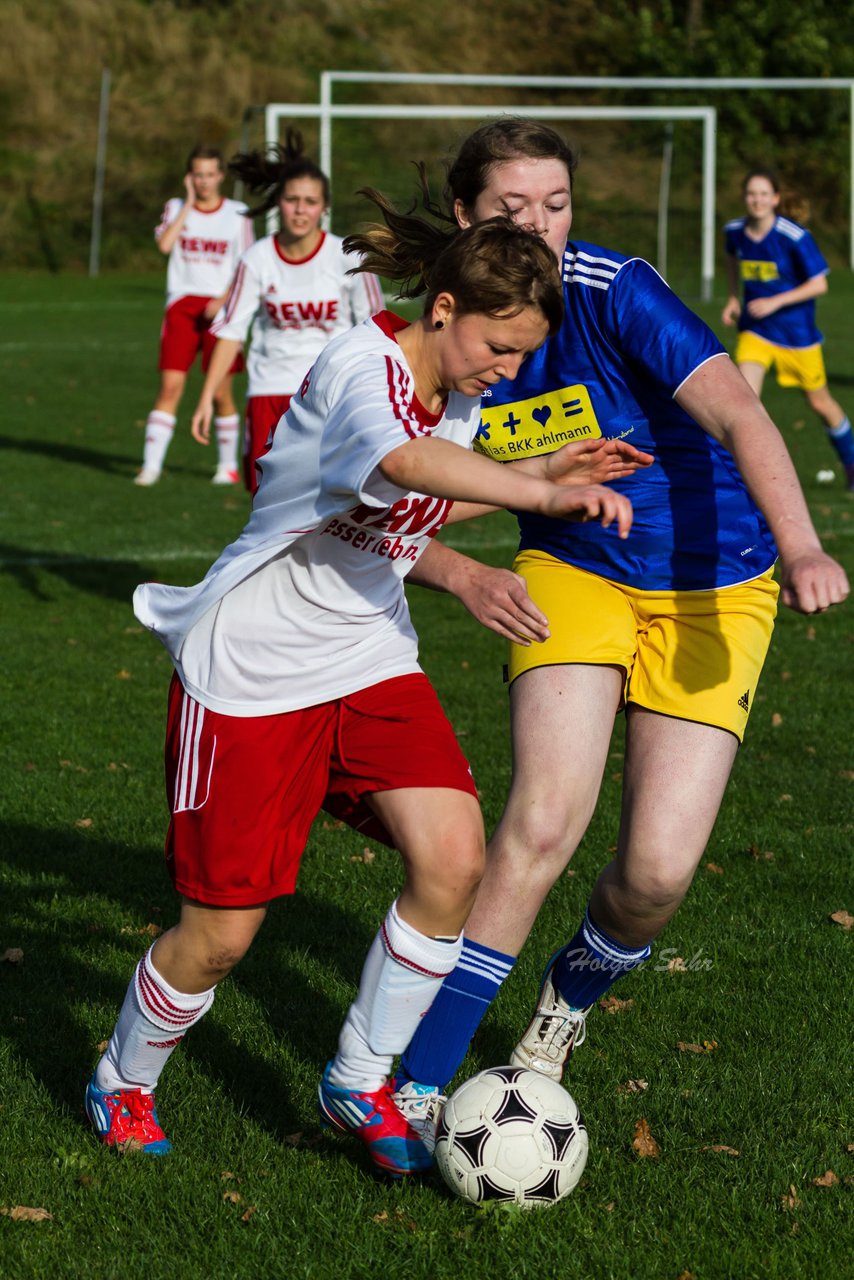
x=185 y=332
x=244 y=791
x=262 y=417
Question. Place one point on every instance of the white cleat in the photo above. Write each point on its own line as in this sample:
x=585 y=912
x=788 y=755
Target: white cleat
x=225 y=475
x=553 y=1033
x=422 y=1105
x=147 y=477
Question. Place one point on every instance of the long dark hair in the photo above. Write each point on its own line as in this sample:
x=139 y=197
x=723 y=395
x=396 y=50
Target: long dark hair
x=268 y=173
x=493 y=268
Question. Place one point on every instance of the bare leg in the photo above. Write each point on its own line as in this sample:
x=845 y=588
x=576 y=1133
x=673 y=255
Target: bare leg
x=675 y=775
x=828 y=409
x=562 y=720
x=754 y=375
x=172 y=383
x=205 y=945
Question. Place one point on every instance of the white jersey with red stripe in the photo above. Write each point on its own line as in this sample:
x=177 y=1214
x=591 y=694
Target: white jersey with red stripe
x=308 y=603
x=203 y=259
x=295 y=306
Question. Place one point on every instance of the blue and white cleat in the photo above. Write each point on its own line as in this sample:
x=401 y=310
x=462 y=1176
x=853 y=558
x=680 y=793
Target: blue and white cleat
x=126 y=1118
x=392 y=1143
x=422 y=1106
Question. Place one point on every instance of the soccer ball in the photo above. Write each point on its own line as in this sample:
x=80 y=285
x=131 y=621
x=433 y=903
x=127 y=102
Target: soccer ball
x=511 y=1135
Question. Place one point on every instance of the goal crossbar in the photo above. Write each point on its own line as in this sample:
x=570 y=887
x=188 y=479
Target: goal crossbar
x=327 y=111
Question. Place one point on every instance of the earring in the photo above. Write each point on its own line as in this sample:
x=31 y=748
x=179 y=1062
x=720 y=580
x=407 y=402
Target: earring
x=439 y=324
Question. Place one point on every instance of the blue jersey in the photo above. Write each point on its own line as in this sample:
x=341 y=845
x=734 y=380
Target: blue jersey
x=625 y=347
x=784 y=258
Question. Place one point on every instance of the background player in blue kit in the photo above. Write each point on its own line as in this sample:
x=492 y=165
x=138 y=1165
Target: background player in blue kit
x=672 y=623
x=782 y=271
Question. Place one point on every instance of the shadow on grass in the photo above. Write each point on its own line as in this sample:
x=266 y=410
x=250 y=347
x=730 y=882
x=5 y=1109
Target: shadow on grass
x=113 y=580
x=119 y=464
x=70 y=902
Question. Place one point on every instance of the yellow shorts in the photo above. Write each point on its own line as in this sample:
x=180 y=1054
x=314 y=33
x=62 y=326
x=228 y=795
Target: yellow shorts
x=695 y=655
x=794 y=366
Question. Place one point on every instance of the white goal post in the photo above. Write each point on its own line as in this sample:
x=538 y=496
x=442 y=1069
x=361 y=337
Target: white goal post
x=326 y=112
x=783 y=84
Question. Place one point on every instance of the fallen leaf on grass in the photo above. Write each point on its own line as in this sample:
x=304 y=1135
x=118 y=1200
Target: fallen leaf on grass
x=842 y=918
x=633 y=1086
x=83 y=824
x=613 y=1004
x=791 y=1200
x=22 y=1213
x=380 y=1217
x=713 y=866
x=847 y=773
x=609 y=1208
x=676 y=965
x=102 y=1046
x=332 y=826
x=850 y=1148
x=810 y=632
x=367 y=856
x=721 y=1150
x=685 y=1046
x=232 y=1197
x=776 y=720
x=828 y=1179
x=644 y=1143
x=244 y=1217
x=123 y=674
x=13 y=955
x=228 y=1176
x=686 y=1275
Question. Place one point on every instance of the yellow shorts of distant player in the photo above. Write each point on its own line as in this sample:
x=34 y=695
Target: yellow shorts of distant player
x=695 y=655
x=794 y=366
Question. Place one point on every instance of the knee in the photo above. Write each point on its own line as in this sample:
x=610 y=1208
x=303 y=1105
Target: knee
x=541 y=840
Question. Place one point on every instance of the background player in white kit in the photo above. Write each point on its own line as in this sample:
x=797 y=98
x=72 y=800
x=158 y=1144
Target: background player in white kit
x=204 y=236
x=297 y=680
x=292 y=287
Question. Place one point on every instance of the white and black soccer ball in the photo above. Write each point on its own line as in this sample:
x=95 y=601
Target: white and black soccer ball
x=511 y=1135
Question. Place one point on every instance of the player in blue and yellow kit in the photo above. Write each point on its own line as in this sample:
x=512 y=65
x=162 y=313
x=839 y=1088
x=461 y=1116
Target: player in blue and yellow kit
x=672 y=623
x=782 y=271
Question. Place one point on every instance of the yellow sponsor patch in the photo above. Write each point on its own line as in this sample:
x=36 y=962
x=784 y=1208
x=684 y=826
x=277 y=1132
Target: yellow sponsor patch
x=531 y=428
x=759 y=271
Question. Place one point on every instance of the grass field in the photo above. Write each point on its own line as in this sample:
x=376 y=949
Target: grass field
x=253 y=1190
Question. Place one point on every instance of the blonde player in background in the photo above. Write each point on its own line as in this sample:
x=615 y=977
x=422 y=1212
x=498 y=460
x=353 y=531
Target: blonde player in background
x=203 y=235
x=292 y=288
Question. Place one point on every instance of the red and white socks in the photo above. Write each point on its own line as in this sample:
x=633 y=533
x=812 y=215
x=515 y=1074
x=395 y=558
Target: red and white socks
x=159 y=430
x=227 y=431
x=403 y=972
x=154 y=1019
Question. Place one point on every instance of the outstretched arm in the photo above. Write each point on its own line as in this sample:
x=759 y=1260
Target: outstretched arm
x=446 y=470
x=719 y=399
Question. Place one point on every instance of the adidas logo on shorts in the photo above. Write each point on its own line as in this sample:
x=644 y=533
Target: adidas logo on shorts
x=744 y=700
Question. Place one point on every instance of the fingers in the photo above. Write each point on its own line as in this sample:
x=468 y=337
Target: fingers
x=813 y=588
x=200 y=427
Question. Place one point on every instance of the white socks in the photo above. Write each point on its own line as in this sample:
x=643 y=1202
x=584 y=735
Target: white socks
x=403 y=972
x=227 y=434
x=158 y=434
x=153 y=1020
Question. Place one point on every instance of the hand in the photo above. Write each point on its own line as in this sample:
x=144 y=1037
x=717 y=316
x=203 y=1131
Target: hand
x=812 y=582
x=731 y=311
x=591 y=503
x=499 y=600
x=211 y=308
x=200 y=427
x=594 y=462
x=761 y=307
x=189 y=189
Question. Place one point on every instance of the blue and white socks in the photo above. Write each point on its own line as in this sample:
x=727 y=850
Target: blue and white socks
x=591 y=962
x=445 y=1032
x=842 y=438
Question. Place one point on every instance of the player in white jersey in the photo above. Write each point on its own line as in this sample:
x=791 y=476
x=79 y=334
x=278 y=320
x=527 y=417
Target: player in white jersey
x=297 y=682
x=203 y=235
x=293 y=288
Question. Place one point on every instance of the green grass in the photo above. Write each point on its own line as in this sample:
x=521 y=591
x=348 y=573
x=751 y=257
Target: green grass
x=81 y=878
